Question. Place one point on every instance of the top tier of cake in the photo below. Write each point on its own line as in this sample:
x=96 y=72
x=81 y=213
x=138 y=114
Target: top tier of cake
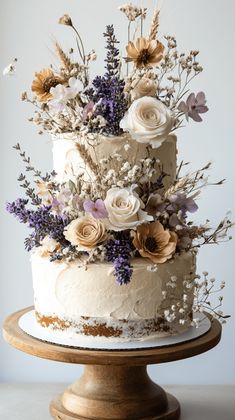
x=68 y=163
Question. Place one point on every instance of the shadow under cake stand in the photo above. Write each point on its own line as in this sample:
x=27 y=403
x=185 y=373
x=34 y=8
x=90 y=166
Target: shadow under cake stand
x=115 y=383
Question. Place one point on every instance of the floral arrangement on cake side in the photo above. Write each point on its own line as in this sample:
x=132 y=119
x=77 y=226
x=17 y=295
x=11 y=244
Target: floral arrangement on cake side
x=114 y=210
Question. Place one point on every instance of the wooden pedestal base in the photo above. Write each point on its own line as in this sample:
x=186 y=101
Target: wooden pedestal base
x=115 y=392
x=115 y=384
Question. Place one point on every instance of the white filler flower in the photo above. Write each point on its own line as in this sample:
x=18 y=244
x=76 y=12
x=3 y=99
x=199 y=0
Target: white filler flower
x=10 y=69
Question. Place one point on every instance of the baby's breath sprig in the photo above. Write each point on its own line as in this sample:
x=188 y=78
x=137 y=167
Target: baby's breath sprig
x=175 y=73
x=205 y=289
x=218 y=235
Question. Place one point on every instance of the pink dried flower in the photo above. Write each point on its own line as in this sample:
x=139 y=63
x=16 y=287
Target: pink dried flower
x=87 y=110
x=97 y=208
x=195 y=105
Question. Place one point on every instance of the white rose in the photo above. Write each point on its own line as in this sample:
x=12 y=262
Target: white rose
x=148 y=120
x=143 y=87
x=124 y=209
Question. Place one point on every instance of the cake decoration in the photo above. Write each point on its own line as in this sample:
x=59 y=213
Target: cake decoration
x=116 y=208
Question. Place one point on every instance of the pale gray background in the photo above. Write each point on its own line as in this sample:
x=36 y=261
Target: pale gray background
x=27 y=30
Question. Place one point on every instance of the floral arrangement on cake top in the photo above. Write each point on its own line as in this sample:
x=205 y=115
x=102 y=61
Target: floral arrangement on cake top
x=150 y=80
x=115 y=208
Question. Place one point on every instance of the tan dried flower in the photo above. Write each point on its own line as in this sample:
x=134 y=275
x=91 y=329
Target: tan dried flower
x=146 y=53
x=154 y=242
x=44 y=192
x=48 y=246
x=66 y=20
x=24 y=96
x=133 y=12
x=86 y=232
x=143 y=86
x=42 y=84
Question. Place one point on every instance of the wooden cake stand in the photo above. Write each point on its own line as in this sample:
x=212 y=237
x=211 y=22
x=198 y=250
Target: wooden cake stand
x=115 y=383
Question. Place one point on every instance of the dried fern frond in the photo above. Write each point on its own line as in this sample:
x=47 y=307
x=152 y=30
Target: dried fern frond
x=154 y=25
x=65 y=60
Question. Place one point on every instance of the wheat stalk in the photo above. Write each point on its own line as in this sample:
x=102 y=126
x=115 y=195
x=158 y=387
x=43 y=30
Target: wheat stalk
x=178 y=186
x=88 y=160
x=154 y=25
x=65 y=60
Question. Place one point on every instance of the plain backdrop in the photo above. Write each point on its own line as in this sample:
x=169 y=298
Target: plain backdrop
x=27 y=31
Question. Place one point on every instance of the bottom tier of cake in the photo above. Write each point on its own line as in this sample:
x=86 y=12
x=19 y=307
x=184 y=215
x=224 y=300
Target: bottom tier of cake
x=87 y=301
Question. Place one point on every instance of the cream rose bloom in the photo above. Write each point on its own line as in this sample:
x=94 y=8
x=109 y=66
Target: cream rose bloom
x=143 y=87
x=125 y=209
x=148 y=120
x=86 y=232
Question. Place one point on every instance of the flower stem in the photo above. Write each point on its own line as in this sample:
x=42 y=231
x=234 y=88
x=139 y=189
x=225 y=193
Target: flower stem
x=81 y=46
x=128 y=40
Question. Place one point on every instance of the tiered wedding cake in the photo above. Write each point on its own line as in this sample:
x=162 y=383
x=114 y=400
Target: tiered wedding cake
x=112 y=250
x=85 y=298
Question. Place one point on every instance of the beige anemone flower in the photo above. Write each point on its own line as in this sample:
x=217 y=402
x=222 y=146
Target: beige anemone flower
x=86 y=232
x=43 y=82
x=154 y=242
x=146 y=53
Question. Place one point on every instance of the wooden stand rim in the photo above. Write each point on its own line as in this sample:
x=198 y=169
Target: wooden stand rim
x=28 y=344
x=115 y=384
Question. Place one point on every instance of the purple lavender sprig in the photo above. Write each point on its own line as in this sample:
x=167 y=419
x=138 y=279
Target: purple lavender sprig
x=19 y=210
x=108 y=90
x=112 y=58
x=42 y=221
x=118 y=251
x=49 y=177
x=24 y=182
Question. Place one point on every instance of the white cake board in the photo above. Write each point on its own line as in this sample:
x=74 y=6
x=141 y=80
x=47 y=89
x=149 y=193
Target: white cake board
x=28 y=324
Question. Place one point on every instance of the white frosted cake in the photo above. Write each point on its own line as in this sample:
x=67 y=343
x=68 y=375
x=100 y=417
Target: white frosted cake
x=86 y=299
x=113 y=250
x=90 y=302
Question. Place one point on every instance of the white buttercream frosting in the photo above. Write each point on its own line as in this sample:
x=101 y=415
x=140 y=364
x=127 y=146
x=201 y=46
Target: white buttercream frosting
x=68 y=291
x=68 y=164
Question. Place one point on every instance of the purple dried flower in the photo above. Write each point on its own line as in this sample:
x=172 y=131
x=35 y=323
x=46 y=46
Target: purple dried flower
x=194 y=106
x=180 y=202
x=118 y=251
x=42 y=221
x=18 y=209
x=61 y=201
x=174 y=220
x=123 y=271
x=97 y=208
x=107 y=91
x=87 y=110
x=47 y=224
